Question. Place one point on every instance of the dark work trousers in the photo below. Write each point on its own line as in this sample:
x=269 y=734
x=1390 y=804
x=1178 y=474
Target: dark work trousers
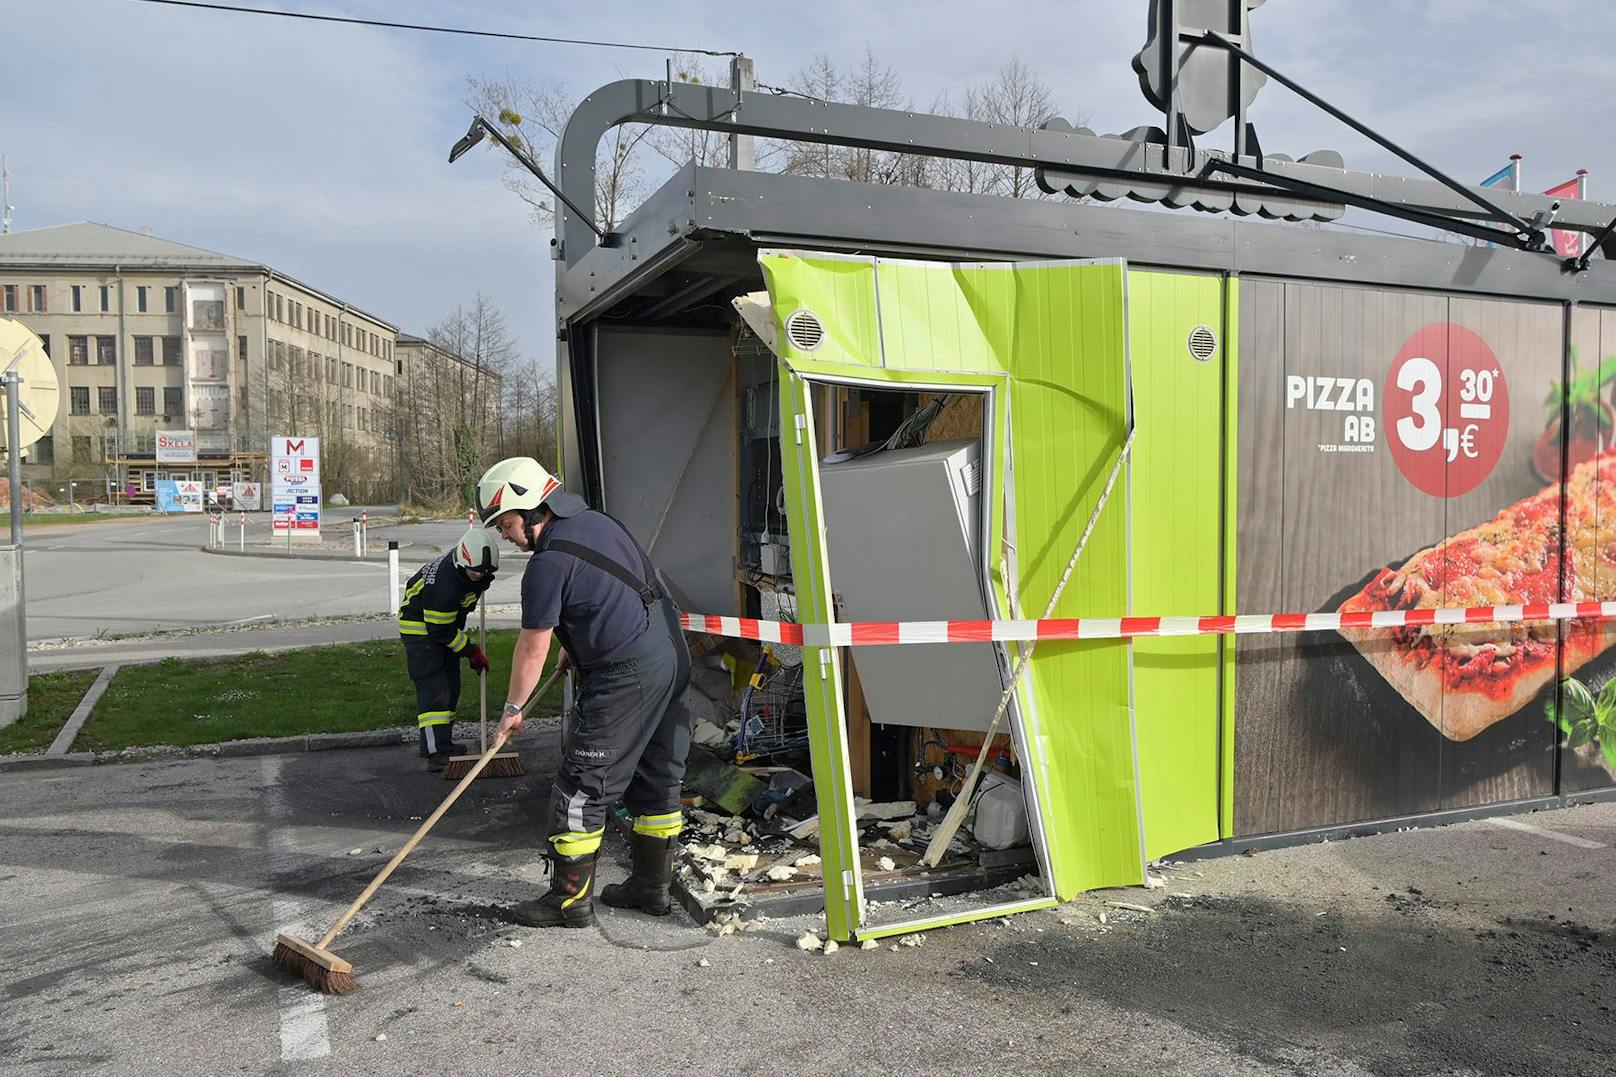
x=435 y=669
x=629 y=737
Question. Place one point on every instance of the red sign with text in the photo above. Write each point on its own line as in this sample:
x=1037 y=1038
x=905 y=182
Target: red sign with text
x=1446 y=410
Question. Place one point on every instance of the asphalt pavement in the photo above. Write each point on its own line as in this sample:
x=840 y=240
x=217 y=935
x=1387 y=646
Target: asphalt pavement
x=142 y=901
x=149 y=574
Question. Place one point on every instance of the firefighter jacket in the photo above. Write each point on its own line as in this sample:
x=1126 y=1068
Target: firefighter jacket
x=437 y=601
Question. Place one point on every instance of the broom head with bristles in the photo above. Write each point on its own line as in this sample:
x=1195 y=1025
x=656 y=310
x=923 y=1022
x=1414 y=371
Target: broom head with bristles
x=503 y=765
x=322 y=969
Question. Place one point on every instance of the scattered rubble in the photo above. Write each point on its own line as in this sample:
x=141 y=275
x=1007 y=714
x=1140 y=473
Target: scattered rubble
x=830 y=946
x=886 y=864
x=809 y=941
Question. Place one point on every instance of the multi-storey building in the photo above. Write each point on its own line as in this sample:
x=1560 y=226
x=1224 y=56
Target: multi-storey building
x=150 y=335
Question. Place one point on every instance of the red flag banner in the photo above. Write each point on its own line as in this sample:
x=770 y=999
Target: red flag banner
x=1566 y=242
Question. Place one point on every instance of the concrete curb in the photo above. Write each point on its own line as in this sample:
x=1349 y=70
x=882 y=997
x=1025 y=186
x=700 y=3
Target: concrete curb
x=282 y=555
x=309 y=742
x=81 y=713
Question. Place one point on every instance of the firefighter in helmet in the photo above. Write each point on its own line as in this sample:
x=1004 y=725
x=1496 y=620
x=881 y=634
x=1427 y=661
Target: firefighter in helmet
x=432 y=623
x=590 y=585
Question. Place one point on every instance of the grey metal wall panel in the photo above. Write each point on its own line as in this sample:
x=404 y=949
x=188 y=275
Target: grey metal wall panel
x=667 y=401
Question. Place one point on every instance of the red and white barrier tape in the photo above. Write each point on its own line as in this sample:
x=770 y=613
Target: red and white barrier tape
x=884 y=633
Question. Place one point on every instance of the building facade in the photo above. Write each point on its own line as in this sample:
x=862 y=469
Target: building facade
x=150 y=335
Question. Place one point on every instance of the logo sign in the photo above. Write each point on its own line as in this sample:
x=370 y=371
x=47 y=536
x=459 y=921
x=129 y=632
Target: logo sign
x=176 y=446
x=1446 y=410
x=295 y=484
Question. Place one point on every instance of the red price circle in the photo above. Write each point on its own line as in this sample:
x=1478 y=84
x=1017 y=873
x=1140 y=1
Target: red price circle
x=1445 y=410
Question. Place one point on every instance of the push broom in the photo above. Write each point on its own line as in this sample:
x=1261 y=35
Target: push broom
x=504 y=764
x=323 y=969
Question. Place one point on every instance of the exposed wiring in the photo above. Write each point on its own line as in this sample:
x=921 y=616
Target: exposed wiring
x=351 y=21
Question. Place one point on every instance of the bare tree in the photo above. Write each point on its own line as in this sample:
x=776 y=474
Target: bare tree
x=533 y=117
x=1017 y=98
x=447 y=411
x=531 y=412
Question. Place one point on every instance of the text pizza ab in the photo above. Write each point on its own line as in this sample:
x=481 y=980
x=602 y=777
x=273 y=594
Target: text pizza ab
x=1355 y=396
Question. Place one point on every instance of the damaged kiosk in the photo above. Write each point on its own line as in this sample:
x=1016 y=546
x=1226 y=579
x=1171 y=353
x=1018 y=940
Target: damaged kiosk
x=820 y=402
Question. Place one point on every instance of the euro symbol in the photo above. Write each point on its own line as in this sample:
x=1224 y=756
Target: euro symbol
x=1467 y=442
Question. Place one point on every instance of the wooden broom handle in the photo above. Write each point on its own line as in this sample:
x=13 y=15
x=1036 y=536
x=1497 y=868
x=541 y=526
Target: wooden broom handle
x=431 y=820
x=482 y=674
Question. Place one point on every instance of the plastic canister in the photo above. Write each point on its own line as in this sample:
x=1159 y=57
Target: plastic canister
x=1001 y=813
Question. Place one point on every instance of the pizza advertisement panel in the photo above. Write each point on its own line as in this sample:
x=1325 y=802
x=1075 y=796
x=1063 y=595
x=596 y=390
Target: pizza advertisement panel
x=1400 y=450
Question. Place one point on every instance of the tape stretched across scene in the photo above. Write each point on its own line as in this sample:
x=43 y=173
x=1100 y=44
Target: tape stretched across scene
x=887 y=633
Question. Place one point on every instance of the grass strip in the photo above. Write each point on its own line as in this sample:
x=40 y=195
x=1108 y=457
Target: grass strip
x=51 y=699
x=336 y=689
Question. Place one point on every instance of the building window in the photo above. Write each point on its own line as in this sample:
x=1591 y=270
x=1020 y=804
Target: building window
x=79 y=396
x=140 y=298
x=106 y=351
x=143 y=351
x=145 y=400
x=8 y=299
x=78 y=298
x=277 y=354
x=241 y=300
x=42 y=451
x=173 y=400
x=107 y=399
x=36 y=298
x=331 y=370
x=81 y=450
x=280 y=310
x=171 y=351
x=244 y=398
x=78 y=351
x=347 y=375
x=241 y=348
x=106 y=299
x=171 y=299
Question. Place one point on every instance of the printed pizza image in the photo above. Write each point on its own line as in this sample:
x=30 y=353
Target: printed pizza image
x=1465 y=677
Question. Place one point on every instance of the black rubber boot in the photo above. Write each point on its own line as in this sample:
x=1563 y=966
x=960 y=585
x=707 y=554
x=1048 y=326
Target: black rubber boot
x=571 y=899
x=646 y=888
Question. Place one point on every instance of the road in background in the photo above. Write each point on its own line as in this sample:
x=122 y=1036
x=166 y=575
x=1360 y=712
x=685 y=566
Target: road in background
x=149 y=574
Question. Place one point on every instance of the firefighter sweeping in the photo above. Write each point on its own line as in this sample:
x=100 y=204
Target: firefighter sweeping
x=432 y=622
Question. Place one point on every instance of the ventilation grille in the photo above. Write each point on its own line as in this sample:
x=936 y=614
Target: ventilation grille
x=1203 y=343
x=805 y=331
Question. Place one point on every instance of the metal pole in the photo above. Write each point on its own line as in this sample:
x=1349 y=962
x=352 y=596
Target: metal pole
x=243 y=534
x=392 y=572
x=13 y=382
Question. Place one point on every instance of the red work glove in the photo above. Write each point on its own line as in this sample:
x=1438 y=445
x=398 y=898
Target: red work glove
x=478 y=660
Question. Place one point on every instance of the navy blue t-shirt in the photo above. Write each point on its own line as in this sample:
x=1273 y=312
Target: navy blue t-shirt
x=594 y=613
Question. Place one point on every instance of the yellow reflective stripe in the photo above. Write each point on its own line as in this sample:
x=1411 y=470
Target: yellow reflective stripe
x=411 y=628
x=413 y=589
x=469 y=600
x=441 y=617
x=459 y=642
x=426 y=718
x=660 y=826
x=582 y=890
x=574 y=843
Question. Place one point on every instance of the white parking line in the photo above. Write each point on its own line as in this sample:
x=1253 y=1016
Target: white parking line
x=304 y=1034
x=1542 y=832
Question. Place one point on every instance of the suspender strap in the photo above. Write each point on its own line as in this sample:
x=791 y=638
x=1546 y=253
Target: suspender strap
x=649 y=590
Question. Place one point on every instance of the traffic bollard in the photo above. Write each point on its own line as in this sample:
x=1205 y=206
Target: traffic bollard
x=392 y=573
x=242 y=534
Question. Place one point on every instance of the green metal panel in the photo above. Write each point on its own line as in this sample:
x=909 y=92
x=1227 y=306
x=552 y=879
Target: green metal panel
x=1058 y=330
x=1175 y=496
x=822 y=679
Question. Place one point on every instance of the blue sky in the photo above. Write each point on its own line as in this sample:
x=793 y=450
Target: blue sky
x=320 y=149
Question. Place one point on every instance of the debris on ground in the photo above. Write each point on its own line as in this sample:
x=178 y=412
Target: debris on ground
x=831 y=946
x=869 y=944
x=886 y=864
x=809 y=941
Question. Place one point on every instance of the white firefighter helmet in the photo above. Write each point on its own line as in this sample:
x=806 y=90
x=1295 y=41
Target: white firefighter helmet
x=517 y=482
x=476 y=551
